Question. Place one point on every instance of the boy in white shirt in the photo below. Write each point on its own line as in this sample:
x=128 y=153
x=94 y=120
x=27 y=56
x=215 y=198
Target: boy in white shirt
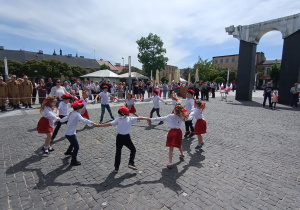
x=104 y=96
x=73 y=120
x=189 y=106
x=61 y=112
x=156 y=106
x=124 y=123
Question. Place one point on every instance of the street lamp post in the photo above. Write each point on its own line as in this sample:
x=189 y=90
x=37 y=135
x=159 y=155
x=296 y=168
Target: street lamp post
x=123 y=62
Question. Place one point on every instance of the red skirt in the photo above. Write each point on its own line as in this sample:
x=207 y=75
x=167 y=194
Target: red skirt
x=43 y=126
x=86 y=115
x=174 y=138
x=200 y=127
x=132 y=110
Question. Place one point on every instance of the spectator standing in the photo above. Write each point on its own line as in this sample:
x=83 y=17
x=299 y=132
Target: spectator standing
x=165 y=90
x=26 y=90
x=76 y=87
x=295 y=95
x=3 y=94
x=58 y=91
x=268 y=91
x=171 y=89
x=49 y=85
x=213 y=86
x=93 y=92
x=42 y=91
x=87 y=87
x=160 y=86
x=67 y=86
x=34 y=92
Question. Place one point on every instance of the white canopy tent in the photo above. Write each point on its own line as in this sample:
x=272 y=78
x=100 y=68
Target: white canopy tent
x=105 y=74
x=134 y=75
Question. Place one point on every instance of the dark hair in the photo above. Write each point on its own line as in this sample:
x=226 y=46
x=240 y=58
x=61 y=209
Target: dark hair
x=120 y=113
x=78 y=107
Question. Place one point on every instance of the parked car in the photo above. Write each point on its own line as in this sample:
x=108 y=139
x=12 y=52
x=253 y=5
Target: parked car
x=261 y=87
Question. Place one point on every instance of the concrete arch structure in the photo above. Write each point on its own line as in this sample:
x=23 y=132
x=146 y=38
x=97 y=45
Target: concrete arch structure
x=249 y=36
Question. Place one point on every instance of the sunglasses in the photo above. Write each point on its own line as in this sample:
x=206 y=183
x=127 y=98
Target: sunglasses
x=57 y=82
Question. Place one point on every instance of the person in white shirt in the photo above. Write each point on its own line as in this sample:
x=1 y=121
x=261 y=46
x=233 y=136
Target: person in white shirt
x=129 y=103
x=200 y=126
x=174 y=137
x=58 y=91
x=155 y=98
x=175 y=101
x=124 y=123
x=70 y=133
x=189 y=104
x=104 y=96
x=46 y=123
x=61 y=112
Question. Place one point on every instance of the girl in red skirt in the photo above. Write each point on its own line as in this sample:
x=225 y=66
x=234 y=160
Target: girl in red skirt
x=200 y=127
x=46 y=123
x=174 y=137
x=129 y=103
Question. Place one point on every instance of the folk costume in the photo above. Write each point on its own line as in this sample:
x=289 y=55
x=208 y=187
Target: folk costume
x=156 y=106
x=70 y=132
x=189 y=105
x=46 y=123
x=63 y=112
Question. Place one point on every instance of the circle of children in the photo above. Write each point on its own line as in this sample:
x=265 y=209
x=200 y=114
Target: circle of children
x=193 y=110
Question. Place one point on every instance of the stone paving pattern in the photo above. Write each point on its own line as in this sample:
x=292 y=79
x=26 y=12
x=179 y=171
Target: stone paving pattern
x=250 y=160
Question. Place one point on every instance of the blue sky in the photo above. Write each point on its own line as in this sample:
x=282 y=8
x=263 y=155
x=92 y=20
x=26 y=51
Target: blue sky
x=109 y=29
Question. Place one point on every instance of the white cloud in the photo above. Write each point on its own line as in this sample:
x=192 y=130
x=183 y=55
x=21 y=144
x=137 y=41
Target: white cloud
x=111 y=28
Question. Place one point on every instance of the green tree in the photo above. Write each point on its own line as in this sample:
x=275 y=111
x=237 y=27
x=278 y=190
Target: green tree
x=78 y=71
x=151 y=53
x=204 y=69
x=32 y=68
x=220 y=80
x=15 y=67
x=164 y=79
x=274 y=73
x=104 y=66
x=133 y=69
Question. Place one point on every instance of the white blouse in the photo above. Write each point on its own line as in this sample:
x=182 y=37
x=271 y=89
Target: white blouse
x=189 y=105
x=124 y=124
x=50 y=115
x=196 y=114
x=64 y=108
x=173 y=120
x=73 y=120
x=156 y=100
x=129 y=102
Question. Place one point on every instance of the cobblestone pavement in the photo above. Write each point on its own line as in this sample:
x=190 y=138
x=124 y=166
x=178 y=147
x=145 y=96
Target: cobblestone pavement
x=250 y=160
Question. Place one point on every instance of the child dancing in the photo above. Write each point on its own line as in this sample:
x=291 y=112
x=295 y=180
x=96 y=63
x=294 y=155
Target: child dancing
x=124 y=123
x=61 y=112
x=174 y=137
x=189 y=104
x=70 y=133
x=46 y=123
x=129 y=103
x=200 y=127
x=156 y=106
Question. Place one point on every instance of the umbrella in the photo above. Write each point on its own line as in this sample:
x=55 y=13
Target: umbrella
x=197 y=75
x=157 y=76
x=189 y=79
x=170 y=78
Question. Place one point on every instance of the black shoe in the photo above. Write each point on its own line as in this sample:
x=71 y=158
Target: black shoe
x=186 y=133
x=68 y=153
x=132 y=166
x=30 y=106
x=160 y=123
x=75 y=163
x=26 y=106
x=18 y=107
x=50 y=149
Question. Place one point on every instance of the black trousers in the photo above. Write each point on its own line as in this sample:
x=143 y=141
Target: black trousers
x=294 y=100
x=213 y=92
x=189 y=125
x=154 y=110
x=124 y=140
x=73 y=146
x=197 y=93
x=58 y=125
x=265 y=98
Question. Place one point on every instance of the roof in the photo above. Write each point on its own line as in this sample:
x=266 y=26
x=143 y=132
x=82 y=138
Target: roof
x=102 y=73
x=271 y=62
x=109 y=64
x=23 y=56
x=133 y=75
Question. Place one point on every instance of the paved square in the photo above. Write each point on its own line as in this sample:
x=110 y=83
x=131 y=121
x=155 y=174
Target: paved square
x=250 y=160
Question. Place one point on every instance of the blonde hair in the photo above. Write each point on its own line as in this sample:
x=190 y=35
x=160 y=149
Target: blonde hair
x=200 y=104
x=47 y=103
x=181 y=112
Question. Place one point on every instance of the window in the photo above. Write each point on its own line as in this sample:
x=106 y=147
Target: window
x=221 y=61
x=233 y=60
x=216 y=61
x=227 y=60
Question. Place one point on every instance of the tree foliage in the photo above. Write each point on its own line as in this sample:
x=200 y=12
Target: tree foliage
x=219 y=80
x=133 y=69
x=104 y=66
x=274 y=73
x=151 y=53
x=204 y=69
x=44 y=68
